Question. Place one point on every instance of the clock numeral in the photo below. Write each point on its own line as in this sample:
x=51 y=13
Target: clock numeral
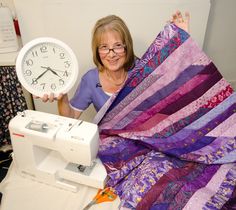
x=65 y=74
x=43 y=85
x=62 y=55
x=34 y=53
x=53 y=49
x=34 y=81
x=29 y=62
x=43 y=49
x=53 y=86
x=61 y=82
x=67 y=64
x=27 y=72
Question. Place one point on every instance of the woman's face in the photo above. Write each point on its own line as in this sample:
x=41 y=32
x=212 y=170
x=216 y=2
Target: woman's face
x=112 y=60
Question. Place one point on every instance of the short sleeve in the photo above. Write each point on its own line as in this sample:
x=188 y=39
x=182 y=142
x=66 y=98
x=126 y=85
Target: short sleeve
x=82 y=97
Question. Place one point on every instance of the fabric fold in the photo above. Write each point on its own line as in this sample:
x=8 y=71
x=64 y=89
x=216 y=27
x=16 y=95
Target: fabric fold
x=170 y=130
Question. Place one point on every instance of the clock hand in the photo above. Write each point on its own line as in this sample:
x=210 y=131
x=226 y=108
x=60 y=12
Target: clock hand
x=54 y=72
x=44 y=67
x=40 y=76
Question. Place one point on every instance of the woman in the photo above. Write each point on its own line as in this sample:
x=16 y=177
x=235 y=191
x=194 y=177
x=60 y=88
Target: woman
x=114 y=56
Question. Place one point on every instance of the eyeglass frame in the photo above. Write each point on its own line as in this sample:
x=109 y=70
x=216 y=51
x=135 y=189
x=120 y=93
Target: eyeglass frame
x=112 y=49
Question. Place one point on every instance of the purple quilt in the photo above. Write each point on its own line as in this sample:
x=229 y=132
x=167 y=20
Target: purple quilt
x=168 y=137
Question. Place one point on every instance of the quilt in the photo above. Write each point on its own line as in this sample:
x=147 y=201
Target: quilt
x=168 y=136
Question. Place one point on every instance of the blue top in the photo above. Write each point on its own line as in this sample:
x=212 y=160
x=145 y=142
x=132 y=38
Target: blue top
x=89 y=91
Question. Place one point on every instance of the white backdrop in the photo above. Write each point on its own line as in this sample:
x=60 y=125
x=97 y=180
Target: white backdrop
x=72 y=21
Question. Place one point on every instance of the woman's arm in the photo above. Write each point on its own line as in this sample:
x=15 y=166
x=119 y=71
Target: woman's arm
x=63 y=105
x=65 y=109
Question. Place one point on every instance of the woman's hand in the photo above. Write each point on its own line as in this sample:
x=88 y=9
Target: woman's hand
x=64 y=108
x=180 y=21
x=51 y=98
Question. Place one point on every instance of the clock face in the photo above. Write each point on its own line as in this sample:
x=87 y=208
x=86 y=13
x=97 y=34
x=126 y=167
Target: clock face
x=46 y=65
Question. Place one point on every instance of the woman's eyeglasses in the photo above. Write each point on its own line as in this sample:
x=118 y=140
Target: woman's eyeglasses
x=117 y=49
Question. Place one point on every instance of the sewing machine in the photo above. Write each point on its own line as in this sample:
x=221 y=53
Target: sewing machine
x=57 y=150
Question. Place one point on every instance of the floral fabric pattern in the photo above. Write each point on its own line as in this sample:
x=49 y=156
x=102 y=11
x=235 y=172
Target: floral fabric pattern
x=11 y=100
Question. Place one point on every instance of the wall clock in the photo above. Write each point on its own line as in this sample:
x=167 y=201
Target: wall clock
x=46 y=65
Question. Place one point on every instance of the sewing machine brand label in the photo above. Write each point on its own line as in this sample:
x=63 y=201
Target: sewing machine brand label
x=18 y=134
x=78 y=138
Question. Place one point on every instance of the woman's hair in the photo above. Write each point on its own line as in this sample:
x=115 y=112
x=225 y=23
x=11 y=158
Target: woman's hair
x=112 y=23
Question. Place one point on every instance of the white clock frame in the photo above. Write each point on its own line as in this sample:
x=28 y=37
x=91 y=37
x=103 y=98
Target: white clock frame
x=41 y=40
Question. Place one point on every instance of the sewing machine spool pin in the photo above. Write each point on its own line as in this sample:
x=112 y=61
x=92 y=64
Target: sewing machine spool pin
x=38 y=126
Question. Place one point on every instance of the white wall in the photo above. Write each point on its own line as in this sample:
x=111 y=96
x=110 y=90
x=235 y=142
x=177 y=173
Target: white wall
x=8 y=59
x=72 y=22
x=220 y=39
x=219 y=44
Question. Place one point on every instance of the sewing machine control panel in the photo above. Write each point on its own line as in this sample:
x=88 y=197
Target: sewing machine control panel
x=46 y=117
x=49 y=123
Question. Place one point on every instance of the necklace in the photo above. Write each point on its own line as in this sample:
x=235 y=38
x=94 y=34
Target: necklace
x=112 y=80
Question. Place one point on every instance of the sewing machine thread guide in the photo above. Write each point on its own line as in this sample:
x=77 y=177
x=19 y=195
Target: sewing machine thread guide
x=72 y=125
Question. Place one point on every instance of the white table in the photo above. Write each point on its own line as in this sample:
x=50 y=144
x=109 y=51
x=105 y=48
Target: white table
x=21 y=193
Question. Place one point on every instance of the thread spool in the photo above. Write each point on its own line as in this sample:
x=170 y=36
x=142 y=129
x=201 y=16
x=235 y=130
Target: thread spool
x=38 y=126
